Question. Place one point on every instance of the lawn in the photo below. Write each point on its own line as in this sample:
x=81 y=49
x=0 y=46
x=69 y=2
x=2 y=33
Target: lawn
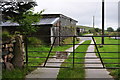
x=20 y=73
x=110 y=48
x=76 y=72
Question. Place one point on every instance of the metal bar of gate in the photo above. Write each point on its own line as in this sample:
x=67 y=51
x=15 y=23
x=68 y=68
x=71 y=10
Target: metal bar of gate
x=77 y=67
x=75 y=36
x=73 y=57
x=49 y=52
x=77 y=62
x=77 y=44
x=73 y=50
x=98 y=52
x=77 y=57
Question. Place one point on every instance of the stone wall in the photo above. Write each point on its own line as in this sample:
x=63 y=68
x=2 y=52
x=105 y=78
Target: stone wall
x=64 y=31
x=13 y=52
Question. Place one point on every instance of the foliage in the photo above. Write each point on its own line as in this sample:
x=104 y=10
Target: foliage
x=110 y=29
x=80 y=34
x=6 y=36
x=118 y=29
x=92 y=30
x=97 y=30
x=21 y=13
x=26 y=21
x=67 y=40
x=85 y=27
x=15 y=8
x=34 y=41
x=114 y=33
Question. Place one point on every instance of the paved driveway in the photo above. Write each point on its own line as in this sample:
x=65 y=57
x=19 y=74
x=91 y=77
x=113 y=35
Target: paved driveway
x=86 y=38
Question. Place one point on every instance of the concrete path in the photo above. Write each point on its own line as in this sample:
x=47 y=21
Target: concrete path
x=49 y=72
x=97 y=74
x=115 y=37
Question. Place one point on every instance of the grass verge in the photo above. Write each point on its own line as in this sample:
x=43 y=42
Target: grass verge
x=76 y=72
x=110 y=48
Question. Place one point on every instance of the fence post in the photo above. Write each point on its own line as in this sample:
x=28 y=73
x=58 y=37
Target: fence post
x=73 y=50
x=26 y=49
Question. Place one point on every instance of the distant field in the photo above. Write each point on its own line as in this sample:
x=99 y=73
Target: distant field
x=86 y=28
x=110 y=48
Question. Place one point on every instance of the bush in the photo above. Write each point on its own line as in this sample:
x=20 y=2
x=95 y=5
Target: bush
x=106 y=33
x=34 y=41
x=114 y=34
x=78 y=39
x=67 y=40
x=80 y=34
x=6 y=36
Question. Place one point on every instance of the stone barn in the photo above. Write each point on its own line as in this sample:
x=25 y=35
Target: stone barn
x=49 y=25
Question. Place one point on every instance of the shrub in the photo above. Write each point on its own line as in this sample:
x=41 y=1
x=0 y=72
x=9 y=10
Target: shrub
x=67 y=40
x=6 y=36
x=78 y=39
x=114 y=33
x=80 y=34
x=34 y=41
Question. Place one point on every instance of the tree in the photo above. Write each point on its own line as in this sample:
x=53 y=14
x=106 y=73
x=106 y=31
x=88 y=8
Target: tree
x=27 y=21
x=14 y=8
x=118 y=29
x=21 y=13
x=97 y=30
x=91 y=30
x=110 y=29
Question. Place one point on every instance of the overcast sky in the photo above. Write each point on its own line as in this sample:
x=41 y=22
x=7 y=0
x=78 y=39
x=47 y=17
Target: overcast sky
x=83 y=11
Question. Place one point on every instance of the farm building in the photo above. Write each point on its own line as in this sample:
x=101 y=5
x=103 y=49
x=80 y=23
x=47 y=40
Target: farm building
x=49 y=25
x=80 y=30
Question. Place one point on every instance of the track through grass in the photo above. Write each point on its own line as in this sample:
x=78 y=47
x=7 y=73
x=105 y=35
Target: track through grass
x=76 y=72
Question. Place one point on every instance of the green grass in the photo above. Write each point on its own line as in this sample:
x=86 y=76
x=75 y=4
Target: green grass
x=110 y=48
x=76 y=72
x=20 y=73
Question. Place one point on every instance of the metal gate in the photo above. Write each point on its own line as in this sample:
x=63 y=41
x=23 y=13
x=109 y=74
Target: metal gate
x=46 y=58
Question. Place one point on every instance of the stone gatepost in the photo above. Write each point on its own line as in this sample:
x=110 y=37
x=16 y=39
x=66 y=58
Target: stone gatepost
x=18 y=59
